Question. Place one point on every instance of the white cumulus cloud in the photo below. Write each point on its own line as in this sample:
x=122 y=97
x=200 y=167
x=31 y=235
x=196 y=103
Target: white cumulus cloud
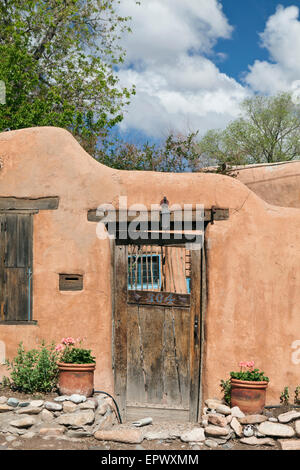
x=281 y=38
x=169 y=60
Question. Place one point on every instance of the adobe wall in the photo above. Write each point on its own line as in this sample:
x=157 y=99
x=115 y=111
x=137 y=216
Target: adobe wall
x=253 y=259
x=275 y=183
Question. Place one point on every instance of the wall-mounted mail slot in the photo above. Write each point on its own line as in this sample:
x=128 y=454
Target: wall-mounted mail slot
x=70 y=282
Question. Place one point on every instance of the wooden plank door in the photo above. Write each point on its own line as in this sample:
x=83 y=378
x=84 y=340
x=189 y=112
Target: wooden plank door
x=15 y=267
x=157 y=346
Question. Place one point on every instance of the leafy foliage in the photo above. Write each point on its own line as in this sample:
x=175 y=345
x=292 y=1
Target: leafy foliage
x=57 y=62
x=267 y=131
x=72 y=354
x=254 y=375
x=34 y=370
x=285 y=396
x=297 y=395
x=77 y=356
x=226 y=388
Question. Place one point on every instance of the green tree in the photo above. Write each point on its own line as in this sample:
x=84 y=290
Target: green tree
x=58 y=59
x=267 y=131
x=174 y=154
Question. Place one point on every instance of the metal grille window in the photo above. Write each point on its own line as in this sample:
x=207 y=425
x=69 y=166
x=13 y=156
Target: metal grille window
x=155 y=268
x=144 y=271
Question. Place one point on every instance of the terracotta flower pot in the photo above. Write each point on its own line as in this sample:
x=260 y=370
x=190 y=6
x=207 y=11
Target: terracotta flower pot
x=249 y=396
x=76 y=378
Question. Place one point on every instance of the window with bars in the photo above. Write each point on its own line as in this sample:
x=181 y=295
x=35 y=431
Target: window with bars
x=144 y=271
x=155 y=268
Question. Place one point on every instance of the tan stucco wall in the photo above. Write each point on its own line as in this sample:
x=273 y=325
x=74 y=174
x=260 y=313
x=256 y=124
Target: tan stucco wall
x=253 y=258
x=275 y=183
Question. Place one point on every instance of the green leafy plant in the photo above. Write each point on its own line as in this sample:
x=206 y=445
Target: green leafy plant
x=34 y=370
x=226 y=388
x=285 y=395
x=5 y=382
x=71 y=354
x=297 y=395
x=248 y=373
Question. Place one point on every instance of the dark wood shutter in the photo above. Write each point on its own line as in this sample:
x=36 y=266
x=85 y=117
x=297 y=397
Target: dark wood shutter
x=16 y=267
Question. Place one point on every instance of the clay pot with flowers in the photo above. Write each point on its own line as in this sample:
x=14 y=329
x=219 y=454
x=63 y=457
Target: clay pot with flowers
x=76 y=367
x=248 y=388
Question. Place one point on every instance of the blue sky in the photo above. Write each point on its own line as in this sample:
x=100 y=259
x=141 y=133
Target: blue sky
x=194 y=61
x=248 y=18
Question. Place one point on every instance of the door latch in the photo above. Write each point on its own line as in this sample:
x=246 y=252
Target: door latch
x=196 y=328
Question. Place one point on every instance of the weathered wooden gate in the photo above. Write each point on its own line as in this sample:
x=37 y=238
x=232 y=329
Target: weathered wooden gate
x=157 y=333
x=15 y=267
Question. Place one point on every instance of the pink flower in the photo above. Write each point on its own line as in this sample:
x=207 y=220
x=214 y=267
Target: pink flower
x=59 y=347
x=68 y=341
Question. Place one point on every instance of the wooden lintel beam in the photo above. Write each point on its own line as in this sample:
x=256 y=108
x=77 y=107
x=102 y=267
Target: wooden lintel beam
x=213 y=214
x=26 y=203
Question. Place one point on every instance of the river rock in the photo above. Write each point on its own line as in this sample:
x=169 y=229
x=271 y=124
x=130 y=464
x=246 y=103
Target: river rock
x=26 y=422
x=237 y=413
x=77 y=419
x=3 y=400
x=254 y=441
x=276 y=429
x=194 y=435
x=36 y=403
x=128 y=436
x=76 y=398
x=223 y=409
x=217 y=419
x=212 y=430
x=50 y=406
x=46 y=416
x=87 y=405
x=211 y=444
x=289 y=444
x=31 y=410
x=69 y=407
x=4 y=408
x=24 y=404
x=297 y=428
x=212 y=403
x=61 y=398
x=289 y=416
x=236 y=426
x=253 y=419
x=13 y=402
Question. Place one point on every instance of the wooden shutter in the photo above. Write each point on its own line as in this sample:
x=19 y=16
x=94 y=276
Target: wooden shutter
x=15 y=267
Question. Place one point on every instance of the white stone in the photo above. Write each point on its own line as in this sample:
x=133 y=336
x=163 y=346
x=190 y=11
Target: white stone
x=3 y=400
x=254 y=441
x=216 y=431
x=248 y=431
x=36 y=403
x=76 y=398
x=62 y=398
x=237 y=413
x=194 y=435
x=211 y=444
x=223 y=409
x=276 y=429
x=289 y=416
x=237 y=427
x=297 y=428
x=50 y=406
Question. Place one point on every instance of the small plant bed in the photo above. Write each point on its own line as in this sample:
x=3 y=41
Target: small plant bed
x=8 y=392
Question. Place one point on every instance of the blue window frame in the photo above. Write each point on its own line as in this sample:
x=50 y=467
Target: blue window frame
x=147 y=282
x=188 y=284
